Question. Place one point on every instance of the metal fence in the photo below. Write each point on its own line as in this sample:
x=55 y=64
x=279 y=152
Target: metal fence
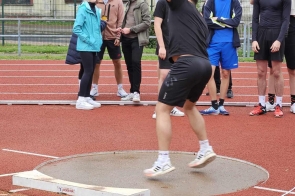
x=39 y=22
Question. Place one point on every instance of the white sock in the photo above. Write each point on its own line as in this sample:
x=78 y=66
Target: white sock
x=204 y=145
x=81 y=98
x=95 y=86
x=120 y=86
x=262 y=100
x=163 y=156
x=279 y=101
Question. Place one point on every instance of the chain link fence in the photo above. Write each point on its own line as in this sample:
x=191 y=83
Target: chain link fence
x=50 y=22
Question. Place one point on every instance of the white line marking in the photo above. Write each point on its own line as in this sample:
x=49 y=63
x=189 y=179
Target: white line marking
x=74 y=77
x=29 y=153
x=289 y=192
x=5 y=175
x=15 y=93
x=109 y=70
x=18 y=190
x=273 y=190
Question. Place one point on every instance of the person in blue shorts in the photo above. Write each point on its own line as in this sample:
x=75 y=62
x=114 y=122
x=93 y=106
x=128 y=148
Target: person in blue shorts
x=222 y=17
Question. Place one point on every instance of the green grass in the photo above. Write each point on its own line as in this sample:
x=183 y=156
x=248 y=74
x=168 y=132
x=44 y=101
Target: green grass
x=55 y=52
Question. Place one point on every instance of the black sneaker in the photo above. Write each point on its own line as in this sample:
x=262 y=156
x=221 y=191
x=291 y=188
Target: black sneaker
x=218 y=92
x=230 y=93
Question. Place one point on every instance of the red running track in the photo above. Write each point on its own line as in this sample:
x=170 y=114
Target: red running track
x=61 y=130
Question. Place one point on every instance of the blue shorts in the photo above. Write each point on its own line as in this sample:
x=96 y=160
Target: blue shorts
x=224 y=54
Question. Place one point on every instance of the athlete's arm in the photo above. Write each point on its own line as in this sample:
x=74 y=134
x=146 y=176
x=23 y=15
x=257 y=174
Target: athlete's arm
x=209 y=16
x=286 y=20
x=158 y=31
x=235 y=21
x=255 y=19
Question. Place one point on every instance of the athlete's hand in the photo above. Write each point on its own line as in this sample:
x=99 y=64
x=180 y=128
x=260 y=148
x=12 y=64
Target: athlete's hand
x=126 y=31
x=275 y=47
x=117 y=42
x=118 y=31
x=255 y=46
x=162 y=53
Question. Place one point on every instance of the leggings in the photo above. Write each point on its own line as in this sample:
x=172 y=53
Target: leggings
x=88 y=65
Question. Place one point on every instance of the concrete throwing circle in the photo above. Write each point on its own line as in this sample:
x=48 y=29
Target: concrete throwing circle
x=125 y=170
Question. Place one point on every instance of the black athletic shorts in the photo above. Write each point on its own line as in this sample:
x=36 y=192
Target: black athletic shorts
x=265 y=39
x=163 y=63
x=186 y=79
x=114 y=51
x=290 y=47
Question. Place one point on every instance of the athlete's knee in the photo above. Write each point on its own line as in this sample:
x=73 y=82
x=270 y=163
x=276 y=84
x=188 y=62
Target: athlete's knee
x=291 y=72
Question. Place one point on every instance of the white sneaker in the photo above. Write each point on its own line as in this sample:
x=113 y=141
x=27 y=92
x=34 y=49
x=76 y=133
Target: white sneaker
x=136 y=97
x=129 y=97
x=159 y=169
x=94 y=92
x=292 y=109
x=121 y=93
x=203 y=159
x=94 y=103
x=269 y=107
x=83 y=105
x=176 y=112
x=154 y=115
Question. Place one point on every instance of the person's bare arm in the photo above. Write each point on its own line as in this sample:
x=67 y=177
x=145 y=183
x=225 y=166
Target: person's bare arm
x=158 y=31
x=251 y=2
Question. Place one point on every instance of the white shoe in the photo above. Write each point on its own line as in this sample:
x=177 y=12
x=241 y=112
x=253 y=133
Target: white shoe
x=94 y=92
x=159 y=169
x=83 y=105
x=121 y=93
x=203 y=158
x=136 y=97
x=154 y=115
x=292 y=109
x=94 y=103
x=176 y=112
x=129 y=97
x=269 y=107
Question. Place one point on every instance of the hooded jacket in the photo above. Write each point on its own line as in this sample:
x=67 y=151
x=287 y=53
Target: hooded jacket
x=73 y=56
x=208 y=11
x=87 y=28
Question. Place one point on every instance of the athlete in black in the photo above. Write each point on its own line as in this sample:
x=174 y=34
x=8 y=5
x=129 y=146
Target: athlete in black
x=161 y=19
x=270 y=22
x=184 y=84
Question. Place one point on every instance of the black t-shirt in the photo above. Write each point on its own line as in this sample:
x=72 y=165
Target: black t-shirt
x=271 y=14
x=162 y=11
x=188 y=30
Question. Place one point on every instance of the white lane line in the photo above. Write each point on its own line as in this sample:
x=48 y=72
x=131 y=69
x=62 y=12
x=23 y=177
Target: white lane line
x=5 y=175
x=274 y=190
x=106 y=70
x=289 y=192
x=18 y=190
x=30 y=153
x=15 y=93
x=72 y=77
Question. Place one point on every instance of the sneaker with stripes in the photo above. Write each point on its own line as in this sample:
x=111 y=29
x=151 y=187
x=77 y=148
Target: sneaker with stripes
x=159 y=169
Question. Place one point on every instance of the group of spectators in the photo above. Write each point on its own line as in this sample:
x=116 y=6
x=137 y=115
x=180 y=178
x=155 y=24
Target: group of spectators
x=108 y=24
x=191 y=46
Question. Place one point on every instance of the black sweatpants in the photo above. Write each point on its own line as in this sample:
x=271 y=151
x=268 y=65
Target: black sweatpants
x=88 y=64
x=132 y=54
